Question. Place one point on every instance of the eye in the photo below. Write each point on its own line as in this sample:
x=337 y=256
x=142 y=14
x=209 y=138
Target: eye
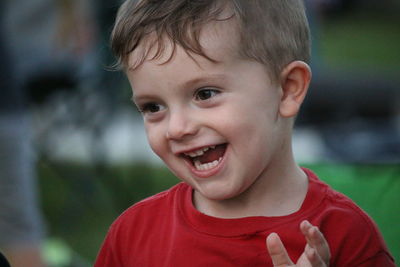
x=205 y=93
x=151 y=108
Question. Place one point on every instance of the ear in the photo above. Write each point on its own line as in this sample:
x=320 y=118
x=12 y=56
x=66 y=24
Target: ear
x=295 y=79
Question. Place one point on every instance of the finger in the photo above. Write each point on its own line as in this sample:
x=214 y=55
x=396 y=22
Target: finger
x=315 y=239
x=314 y=258
x=305 y=226
x=277 y=251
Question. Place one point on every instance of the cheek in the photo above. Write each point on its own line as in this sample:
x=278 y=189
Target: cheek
x=252 y=131
x=155 y=137
x=246 y=121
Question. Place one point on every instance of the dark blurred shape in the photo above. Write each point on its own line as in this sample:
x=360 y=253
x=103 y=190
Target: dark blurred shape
x=21 y=225
x=333 y=8
x=340 y=95
x=354 y=110
x=3 y=261
x=47 y=50
x=43 y=85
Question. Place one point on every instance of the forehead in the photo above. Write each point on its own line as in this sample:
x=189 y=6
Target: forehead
x=218 y=39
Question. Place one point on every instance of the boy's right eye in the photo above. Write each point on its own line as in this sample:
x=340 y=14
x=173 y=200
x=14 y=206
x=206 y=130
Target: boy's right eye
x=151 y=108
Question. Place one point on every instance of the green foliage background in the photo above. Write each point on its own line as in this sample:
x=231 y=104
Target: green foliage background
x=80 y=202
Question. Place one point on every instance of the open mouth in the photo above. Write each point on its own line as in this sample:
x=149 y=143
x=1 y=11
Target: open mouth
x=206 y=158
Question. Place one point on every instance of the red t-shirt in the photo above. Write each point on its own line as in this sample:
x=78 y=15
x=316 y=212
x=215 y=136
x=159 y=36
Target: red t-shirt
x=167 y=230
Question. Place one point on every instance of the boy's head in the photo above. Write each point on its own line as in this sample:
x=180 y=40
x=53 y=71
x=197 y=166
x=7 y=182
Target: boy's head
x=272 y=32
x=218 y=83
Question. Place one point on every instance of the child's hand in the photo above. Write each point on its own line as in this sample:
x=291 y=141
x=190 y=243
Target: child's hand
x=316 y=253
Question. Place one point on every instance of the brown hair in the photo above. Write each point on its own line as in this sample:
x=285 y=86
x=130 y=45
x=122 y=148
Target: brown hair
x=272 y=32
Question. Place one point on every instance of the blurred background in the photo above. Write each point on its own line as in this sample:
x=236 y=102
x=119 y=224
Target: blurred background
x=73 y=152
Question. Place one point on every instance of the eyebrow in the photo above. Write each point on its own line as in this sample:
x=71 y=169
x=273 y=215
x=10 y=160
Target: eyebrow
x=195 y=82
x=212 y=78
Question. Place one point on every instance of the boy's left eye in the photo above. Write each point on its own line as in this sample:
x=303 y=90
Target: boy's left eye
x=205 y=93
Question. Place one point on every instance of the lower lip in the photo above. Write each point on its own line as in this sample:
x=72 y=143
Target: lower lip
x=211 y=172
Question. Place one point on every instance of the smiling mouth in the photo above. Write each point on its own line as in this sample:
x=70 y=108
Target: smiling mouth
x=206 y=158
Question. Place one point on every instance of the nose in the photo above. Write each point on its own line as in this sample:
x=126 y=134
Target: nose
x=181 y=125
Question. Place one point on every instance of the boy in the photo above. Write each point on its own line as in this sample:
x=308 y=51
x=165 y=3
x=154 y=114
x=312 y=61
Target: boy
x=219 y=84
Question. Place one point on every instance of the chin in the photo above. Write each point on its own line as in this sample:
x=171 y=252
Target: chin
x=218 y=193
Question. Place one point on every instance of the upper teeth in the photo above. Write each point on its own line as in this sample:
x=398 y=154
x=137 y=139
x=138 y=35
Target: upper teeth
x=199 y=152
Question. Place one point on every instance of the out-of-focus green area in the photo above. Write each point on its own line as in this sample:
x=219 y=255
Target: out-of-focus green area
x=80 y=202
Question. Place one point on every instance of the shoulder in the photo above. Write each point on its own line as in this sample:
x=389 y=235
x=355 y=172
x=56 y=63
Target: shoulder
x=335 y=206
x=134 y=227
x=150 y=211
x=152 y=206
x=352 y=235
x=347 y=215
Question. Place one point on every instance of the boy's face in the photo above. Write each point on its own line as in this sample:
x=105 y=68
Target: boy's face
x=216 y=125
